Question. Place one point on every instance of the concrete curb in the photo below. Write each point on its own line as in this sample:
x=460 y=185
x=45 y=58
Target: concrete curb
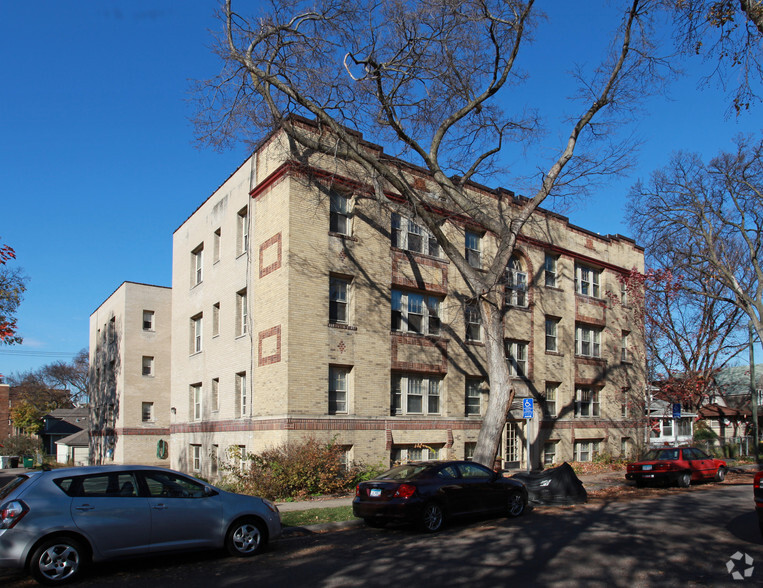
x=289 y=532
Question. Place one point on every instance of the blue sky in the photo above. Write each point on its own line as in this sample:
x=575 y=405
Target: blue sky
x=99 y=168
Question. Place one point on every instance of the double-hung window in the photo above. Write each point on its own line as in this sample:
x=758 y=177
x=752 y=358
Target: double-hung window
x=473 y=323
x=242 y=394
x=549 y=271
x=338 y=377
x=197 y=256
x=552 y=336
x=587 y=402
x=415 y=313
x=242 y=231
x=196 y=330
x=516 y=284
x=587 y=341
x=624 y=355
x=587 y=281
x=196 y=413
x=549 y=402
x=339 y=289
x=473 y=248
x=339 y=221
x=148 y=320
x=473 y=397
x=242 y=314
x=409 y=235
x=586 y=450
x=414 y=394
x=516 y=357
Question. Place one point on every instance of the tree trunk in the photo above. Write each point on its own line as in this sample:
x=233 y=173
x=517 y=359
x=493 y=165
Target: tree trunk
x=501 y=391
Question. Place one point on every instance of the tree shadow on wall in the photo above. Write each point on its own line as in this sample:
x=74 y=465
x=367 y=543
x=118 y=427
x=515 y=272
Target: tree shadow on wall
x=105 y=368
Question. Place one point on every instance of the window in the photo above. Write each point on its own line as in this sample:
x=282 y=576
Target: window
x=196 y=402
x=587 y=281
x=552 y=327
x=473 y=397
x=516 y=284
x=469 y=448
x=624 y=355
x=623 y=293
x=196 y=458
x=196 y=329
x=516 y=357
x=215 y=394
x=214 y=457
x=472 y=244
x=549 y=270
x=198 y=265
x=242 y=325
x=587 y=341
x=549 y=453
x=339 y=221
x=586 y=450
x=217 y=237
x=242 y=231
x=147 y=412
x=587 y=402
x=667 y=427
x=148 y=320
x=549 y=402
x=148 y=365
x=241 y=394
x=513 y=443
x=216 y=319
x=683 y=427
x=418 y=452
x=415 y=313
x=339 y=289
x=338 y=390
x=172 y=485
x=406 y=234
x=473 y=323
x=412 y=394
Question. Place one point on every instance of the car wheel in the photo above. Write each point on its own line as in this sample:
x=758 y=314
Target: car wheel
x=517 y=504
x=375 y=523
x=246 y=537
x=58 y=561
x=432 y=518
x=720 y=475
x=684 y=480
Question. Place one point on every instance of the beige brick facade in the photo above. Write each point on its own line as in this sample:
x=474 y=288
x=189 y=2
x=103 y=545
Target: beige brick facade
x=253 y=346
x=130 y=342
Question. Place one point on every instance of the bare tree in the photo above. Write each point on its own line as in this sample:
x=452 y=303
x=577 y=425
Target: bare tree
x=729 y=33
x=704 y=223
x=424 y=80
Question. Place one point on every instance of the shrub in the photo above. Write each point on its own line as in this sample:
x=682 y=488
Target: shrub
x=20 y=445
x=294 y=470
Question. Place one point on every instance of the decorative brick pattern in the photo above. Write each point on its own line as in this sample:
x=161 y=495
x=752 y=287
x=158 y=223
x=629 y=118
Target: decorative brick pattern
x=419 y=265
x=269 y=352
x=398 y=343
x=273 y=257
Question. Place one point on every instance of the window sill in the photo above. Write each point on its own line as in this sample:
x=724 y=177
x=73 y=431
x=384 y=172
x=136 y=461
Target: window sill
x=525 y=308
x=555 y=288
x=241 y=253
x=342 y=327
x=343 y=236
x=555 y=353
x=475 y=343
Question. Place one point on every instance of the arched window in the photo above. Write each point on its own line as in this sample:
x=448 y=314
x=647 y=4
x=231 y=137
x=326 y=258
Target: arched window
x=516 y=284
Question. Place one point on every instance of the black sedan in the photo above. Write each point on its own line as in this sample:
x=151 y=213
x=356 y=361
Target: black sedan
x=429 y=492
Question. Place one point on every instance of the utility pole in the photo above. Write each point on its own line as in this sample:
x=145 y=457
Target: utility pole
x=753 y=394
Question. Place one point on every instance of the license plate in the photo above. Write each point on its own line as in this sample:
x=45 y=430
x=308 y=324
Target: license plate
x=646 y=467
x=374 y=492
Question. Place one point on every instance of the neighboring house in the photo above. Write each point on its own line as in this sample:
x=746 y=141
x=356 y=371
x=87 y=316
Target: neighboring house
x=61 y=423
x=74 y=449
x=130 y=341
x=5 y=411
x=302 y=308
x=729 y=412
x=665 y=429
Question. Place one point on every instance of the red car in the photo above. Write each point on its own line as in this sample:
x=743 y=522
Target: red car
x=676 y=465
x=757 y=486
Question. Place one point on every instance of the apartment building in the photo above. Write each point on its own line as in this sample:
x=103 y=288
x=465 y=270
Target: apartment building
x=303 y=307
x=130 y=342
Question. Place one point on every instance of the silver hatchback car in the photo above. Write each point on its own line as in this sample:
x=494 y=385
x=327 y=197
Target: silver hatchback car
x=55 y=522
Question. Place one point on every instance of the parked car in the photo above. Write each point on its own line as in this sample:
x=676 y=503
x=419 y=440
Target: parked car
x=676 y=465
x=757 y=486
x=430 y=492
x=54 y=523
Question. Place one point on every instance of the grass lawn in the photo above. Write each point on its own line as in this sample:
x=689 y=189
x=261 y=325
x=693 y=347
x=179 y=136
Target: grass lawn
x=316 y=516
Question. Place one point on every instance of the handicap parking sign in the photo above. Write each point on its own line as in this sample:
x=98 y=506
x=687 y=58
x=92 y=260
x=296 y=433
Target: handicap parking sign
x=527 y=408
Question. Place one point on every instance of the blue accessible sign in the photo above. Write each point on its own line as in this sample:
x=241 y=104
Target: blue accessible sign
x=677 y=410
x=527 y=408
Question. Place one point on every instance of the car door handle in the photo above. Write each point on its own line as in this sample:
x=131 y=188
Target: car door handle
x=84 y=507
x=160 y=507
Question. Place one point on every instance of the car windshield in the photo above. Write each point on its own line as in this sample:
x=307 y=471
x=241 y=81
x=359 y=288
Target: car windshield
x=404 y=472
x=661 y=454
x=12 y=485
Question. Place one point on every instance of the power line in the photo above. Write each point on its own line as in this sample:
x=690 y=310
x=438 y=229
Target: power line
x=24 y=353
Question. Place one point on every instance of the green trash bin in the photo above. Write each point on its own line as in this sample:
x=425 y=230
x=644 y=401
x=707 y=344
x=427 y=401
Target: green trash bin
x=28 y=462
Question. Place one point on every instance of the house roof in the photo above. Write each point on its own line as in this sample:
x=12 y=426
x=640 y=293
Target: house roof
x=78 y=439
x=65 y=421
x=715 y=411
x=735 y=380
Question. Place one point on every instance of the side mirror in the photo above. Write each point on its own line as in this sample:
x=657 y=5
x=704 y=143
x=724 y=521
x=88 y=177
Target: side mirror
x=209 y=491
